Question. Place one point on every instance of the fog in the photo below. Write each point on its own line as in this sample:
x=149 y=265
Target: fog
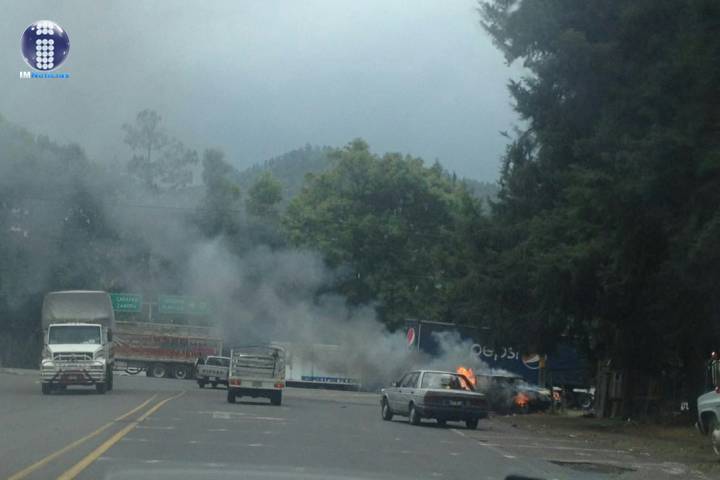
x=258 y=78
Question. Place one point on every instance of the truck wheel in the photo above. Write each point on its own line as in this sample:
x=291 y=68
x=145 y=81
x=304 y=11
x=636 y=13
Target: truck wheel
x=181 y=372
x=385 y=410
x=201 y=384
x=158 y=370
x=46 y=389
x=101 y=388
x=471 y=424
x=414 y=416
x=110 y=379
x=276 y=398
x=231 y=396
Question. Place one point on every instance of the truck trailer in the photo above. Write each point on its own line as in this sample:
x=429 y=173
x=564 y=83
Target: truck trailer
x=164 y=349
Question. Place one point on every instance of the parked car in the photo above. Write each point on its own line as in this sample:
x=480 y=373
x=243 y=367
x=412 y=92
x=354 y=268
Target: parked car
x=508 y=393
x=443 y=396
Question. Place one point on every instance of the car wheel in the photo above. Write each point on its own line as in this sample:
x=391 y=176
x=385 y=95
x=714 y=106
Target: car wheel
x=214 y=384
x=414 y=416
x=276 y=398
x=101 y=388
x=441 y=421
x=231 y=396
x=471 y=424
x=46 y=389
x=386 y=411
x=201 y=384
x=714 y=431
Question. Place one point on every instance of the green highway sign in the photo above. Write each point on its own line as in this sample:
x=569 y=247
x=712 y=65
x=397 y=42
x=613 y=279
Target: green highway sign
x=126 y=302
x=180 y=304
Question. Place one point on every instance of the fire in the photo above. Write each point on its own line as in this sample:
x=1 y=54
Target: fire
x=468 y=373
x=521 y=400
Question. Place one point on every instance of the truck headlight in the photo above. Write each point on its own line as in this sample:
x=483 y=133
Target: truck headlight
x=100 y=355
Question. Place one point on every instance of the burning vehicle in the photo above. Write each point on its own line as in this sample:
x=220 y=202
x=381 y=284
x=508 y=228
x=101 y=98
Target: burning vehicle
x=509 y=393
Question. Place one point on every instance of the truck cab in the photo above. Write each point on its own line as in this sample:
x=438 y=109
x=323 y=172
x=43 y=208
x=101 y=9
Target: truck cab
x=708 y=405
x=77 y=340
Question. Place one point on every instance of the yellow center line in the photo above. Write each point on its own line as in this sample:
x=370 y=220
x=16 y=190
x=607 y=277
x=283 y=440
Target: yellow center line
x=76 y=469
x=40 y=463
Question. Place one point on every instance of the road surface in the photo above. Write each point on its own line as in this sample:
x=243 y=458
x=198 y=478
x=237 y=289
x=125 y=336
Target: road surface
x=161 y=428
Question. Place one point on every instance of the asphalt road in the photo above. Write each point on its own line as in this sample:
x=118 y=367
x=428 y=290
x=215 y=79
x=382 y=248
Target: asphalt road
x=157 y=428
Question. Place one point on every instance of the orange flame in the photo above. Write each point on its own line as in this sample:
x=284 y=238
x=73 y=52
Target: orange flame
x=521 y=400
x=469 y=374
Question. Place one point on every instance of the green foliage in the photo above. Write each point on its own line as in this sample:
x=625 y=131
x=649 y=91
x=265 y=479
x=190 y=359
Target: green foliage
x=159 y=161
x=609 y=197
x=218 y=213
x=289 y=169
x=388 y=223
x=264 y=196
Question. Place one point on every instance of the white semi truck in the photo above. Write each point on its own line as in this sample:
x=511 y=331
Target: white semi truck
x=77 y=335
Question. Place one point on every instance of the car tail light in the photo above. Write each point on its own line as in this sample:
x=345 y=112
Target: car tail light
x=279 y=385
x=235 y=382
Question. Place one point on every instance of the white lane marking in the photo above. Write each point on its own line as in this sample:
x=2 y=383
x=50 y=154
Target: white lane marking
x=405 y=451
x=555 y=447
x=217 y=413
x=215 y=465
x=273 y=419
x=454 y=454
x=255 y=445
x=193 y=442
x=133 y=439
x=486 y=445
x=155 y=427
x=217 y=430
x=153 y=461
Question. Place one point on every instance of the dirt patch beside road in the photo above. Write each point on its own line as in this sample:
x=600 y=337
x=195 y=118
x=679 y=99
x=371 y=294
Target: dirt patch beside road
x=680 y=444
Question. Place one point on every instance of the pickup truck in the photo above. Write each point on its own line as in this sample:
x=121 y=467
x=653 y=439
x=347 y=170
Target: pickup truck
x=213 y=370
x=257 y=371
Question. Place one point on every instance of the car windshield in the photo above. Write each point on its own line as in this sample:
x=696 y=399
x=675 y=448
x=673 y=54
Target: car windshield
x=74 y=334
x=450 y=381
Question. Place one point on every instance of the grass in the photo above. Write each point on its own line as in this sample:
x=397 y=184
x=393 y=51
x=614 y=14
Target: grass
x=675 y=443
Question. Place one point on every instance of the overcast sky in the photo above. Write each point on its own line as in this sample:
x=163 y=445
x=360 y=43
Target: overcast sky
x=259 y=78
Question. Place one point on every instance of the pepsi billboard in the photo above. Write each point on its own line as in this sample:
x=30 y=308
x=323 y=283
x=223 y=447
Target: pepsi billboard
x=564 y=366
